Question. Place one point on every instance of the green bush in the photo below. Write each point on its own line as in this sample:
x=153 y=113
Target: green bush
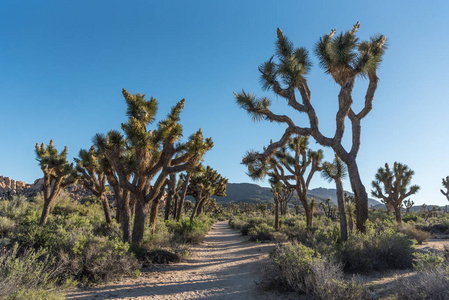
x=293 y=262
x=427 y=261
x=193 y=232
x=298 y=268
x=90 y=250
x=376 y=251
x=261 y=232
x=7 y=226
x=410 y=217
x=414 y=233
x=14 y=208
x=29 y=274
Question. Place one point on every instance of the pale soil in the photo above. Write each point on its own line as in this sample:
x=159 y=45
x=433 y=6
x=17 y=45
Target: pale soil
x=225 y=266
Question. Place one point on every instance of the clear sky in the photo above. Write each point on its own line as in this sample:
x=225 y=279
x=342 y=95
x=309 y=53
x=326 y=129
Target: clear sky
x=63 y=65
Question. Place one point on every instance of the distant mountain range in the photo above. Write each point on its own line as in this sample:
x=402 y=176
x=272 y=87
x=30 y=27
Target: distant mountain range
x=253 y=193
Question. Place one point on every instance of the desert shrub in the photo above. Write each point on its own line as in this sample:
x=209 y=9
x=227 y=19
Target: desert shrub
x=261 y=232
x=279 y=236
x=410 y=217
x=7 y=226
x=293 y=264
x=100 y=259
x=91 y=250
x=414 y=233
x=298 y=268
x=327 y=282
x=376 y=251
x=430 y=283
x=28 y=274
x=375 y=215
x=159 y=239
x=439 y=228
x=192 y=232
x=14 y=208
x=427 y=261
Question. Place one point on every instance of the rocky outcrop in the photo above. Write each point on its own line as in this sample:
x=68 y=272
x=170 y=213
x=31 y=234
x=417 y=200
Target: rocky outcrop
x=9 y=187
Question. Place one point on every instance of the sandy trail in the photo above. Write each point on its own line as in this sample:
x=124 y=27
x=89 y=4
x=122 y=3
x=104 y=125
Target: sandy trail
x=225 y=266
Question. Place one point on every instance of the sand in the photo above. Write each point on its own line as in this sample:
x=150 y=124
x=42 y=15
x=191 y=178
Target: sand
x=225 y=266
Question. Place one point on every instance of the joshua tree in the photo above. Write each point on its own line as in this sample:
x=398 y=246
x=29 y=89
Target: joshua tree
x=92 y=176
x=58 y=174
x=285 y=198
x=395 y=184
x=289 y=165
x=408 y=204
x=345 y=59
x=204 y=185
x=446 y=186
x=330 y=210
x=155 y=153
x=337 y=171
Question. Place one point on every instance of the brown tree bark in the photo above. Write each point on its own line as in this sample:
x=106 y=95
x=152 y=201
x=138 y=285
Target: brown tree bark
x=106 y=208
x=183 y=196
x=398 y=215
x=140 y=215
x=153 y=214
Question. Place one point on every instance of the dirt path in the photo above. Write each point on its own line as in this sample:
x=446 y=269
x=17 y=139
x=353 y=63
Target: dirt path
x=225 y=266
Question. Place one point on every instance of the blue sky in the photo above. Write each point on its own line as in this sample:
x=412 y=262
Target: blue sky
x=63 y=65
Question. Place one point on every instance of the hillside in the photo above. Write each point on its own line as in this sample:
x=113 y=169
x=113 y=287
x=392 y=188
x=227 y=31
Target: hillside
x=253 y=193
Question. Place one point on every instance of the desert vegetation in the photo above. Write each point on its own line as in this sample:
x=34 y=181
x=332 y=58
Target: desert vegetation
x=139 y=179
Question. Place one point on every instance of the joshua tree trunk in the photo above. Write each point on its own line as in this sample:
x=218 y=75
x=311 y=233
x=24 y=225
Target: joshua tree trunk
x=398 y=214
x=308 y=211
x=45 y=211
x=171 y=194
x=106 y=208
x=167 y=206
x=175 y=205
x=153 y=214
x=361 y=197
x=183 y=196
x=195 y=209
x=126 y=217
x=342 y=211
x=200 y=208
x=139 y=223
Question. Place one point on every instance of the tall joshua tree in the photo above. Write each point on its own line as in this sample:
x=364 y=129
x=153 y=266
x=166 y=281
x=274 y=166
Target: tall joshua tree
x=289 y=164
x=206 y=184
x=446 y=186
x=92 y=176
x=345 y=59
x=58 y=174
x=395 y=183
x=336 y=171
x=157 y=153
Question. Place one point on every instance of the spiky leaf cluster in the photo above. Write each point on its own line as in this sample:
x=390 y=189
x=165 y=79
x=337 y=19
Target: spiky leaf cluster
x=336 y=170
x=343 y=56
x=54 y=164
x=90 y=166
x=254 y=107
